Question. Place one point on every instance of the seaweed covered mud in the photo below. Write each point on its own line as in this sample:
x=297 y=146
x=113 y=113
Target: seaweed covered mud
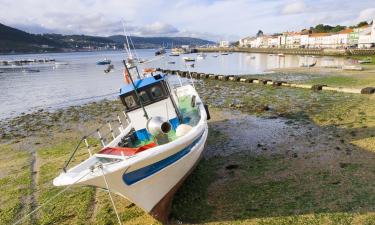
x=274 y=156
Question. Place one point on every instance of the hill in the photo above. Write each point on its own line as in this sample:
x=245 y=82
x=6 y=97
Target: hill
x=17 y=41
x=155 y=42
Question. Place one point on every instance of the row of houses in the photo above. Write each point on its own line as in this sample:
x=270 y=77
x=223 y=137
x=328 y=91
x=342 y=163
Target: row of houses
x=362 y=37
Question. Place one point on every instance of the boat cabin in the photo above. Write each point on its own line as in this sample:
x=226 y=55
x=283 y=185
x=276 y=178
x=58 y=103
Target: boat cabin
x=157 y=100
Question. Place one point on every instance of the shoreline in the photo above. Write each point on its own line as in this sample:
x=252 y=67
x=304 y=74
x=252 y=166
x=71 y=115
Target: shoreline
x=296 y=51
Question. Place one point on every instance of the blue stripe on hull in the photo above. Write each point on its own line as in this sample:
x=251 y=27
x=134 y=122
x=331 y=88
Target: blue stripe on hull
x=137 y=175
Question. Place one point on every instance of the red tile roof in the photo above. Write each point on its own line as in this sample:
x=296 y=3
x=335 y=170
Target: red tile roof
x=346 y=31
x=319 y=34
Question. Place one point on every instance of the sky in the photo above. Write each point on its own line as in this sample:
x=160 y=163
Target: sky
x=209 y=19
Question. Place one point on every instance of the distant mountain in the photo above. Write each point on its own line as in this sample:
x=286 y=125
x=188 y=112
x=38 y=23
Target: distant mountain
x=12 y=39
x=155 y=42
x=17 y=41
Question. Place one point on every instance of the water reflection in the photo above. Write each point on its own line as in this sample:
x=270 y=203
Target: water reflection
x=248 y=63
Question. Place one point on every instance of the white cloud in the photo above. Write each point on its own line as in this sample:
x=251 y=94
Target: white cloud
x=157 y=28
x=366 y=14
x=212 y=19
x=294 y=7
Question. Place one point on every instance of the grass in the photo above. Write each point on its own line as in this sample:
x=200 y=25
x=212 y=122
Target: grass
x=190 y=202
x=273 y=190
x=344 y=81
x=365 y=58
x=15 y=182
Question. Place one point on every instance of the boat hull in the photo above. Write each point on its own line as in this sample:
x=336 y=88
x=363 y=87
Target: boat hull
x=155 y=192
x=162 y=209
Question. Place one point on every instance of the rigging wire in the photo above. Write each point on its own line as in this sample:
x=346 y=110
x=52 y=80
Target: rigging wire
x=109 y=193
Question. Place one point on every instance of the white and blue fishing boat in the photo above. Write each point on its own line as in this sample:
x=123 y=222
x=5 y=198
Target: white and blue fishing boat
x=147 y=160
x=103 y=62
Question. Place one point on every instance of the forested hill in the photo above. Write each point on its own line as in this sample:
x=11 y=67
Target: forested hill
x=17 y=41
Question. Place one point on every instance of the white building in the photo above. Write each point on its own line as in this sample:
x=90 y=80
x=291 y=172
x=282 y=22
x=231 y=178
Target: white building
x=247 y=42
x=343 y=38
x=366 y=38
x=304 y=40
x=290 y=40
x=224 y=44
x=273 y=42
x=363 y=37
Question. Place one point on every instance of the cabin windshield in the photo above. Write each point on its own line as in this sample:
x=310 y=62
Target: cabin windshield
x=148 y=95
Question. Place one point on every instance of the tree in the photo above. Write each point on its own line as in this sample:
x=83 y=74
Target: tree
x=321 y=28
x=338 y=28
x=363 y=23
x=260 y=33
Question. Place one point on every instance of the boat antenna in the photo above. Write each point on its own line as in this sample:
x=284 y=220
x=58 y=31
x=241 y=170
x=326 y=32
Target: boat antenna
x=135 y=89
x=127 y=41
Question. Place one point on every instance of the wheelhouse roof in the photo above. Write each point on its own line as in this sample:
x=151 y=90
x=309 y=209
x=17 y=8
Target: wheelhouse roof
x=141 y=83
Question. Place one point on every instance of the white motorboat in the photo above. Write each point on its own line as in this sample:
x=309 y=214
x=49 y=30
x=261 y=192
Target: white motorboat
x=148 y=159
x=188 y=59
x=201 y=56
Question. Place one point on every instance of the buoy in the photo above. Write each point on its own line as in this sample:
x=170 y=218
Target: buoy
x=182 y=130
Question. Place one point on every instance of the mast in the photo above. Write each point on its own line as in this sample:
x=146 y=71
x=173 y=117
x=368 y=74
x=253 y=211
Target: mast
x=135 y=90
x=127 y=46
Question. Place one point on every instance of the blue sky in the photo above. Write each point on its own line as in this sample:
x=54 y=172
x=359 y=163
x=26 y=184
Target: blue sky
x=210 y=19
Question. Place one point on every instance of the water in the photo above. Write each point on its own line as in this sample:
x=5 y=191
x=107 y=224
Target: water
x=82 y=81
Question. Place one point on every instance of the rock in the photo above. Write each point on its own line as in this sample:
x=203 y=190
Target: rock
x=343 y=165
x=232 y=167
x=336 y=182
x=262 y=108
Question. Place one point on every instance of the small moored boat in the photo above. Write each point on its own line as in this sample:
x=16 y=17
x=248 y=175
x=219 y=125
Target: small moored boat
x=160 y=51
x=103 y=62
x=201 y=56
x=188 y=59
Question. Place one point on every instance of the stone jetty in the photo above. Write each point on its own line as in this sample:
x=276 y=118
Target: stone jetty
x=25 y=61
x=245 y=79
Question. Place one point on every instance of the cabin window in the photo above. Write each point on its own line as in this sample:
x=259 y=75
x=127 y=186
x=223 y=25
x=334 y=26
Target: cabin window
x=130 y=101
x=156 y=92
x=144 y=97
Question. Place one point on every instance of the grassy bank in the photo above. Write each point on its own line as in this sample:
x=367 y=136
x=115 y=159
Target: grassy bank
x=319 y=171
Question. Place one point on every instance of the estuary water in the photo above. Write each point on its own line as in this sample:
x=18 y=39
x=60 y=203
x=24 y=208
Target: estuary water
x=76 y=79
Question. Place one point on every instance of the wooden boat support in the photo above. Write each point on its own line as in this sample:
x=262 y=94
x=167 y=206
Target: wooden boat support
x=244 y=79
